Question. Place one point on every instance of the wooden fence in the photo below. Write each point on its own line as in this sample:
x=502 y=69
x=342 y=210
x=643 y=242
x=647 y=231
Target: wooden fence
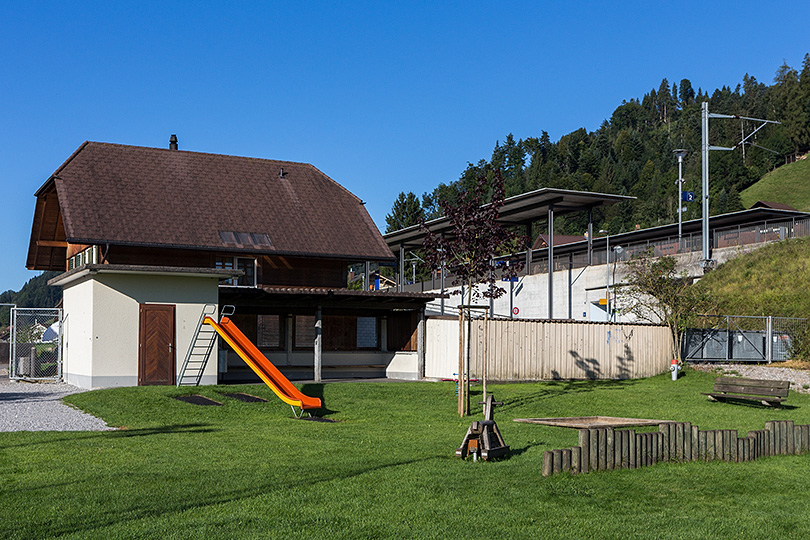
x=610 y=449
x=527 y=350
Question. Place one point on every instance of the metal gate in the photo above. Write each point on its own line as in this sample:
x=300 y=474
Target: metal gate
x=36 y=344
x=726 y=338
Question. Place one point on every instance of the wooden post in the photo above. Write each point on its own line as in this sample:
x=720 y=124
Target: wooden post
x=687 y=441
x=420 y=345
x=566 y=460
x=602 y=449
x=485 y=361
x=318 y=345
x=610 y=448
x=695 y=443
x=460 y=362
x=791 y=442
x=576 y=460
x=617 y=449
x=594 y=449
x=625 y=449
x=557 y=461
x=679 y=436
x=718 y=444
x=585 y=445
x=782 y=437
x=632 y=448
x=548 y=463
x=664 y=430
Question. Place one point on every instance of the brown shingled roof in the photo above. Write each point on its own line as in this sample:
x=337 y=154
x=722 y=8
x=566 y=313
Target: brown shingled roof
x=131 y=195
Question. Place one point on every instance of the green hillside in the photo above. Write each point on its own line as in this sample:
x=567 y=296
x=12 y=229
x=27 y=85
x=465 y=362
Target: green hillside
x=789 y=184
x=773 y=280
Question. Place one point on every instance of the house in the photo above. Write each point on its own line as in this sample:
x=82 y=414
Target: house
x=773 y=205
x=148 y=239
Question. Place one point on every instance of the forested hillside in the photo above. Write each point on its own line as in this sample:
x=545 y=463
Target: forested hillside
x=632 y=153
x=35 y=293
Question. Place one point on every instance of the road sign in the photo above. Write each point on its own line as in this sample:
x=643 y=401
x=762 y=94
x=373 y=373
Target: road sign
x=515 y=311
x=513 y=279
x=687 y=196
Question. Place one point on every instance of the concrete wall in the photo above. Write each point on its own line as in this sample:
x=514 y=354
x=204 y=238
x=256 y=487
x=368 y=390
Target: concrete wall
x=102 y=324
x=530 y=294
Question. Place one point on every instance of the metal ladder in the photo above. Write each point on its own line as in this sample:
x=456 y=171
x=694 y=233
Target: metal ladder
x=199 y=351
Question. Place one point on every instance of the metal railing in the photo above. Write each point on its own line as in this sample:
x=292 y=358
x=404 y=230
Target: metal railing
x=765 y=231
x=727 y=338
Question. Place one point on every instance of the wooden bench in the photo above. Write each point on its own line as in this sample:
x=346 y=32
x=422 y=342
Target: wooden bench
x=764 y=391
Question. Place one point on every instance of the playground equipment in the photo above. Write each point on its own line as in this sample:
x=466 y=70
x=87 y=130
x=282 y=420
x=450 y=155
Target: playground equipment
x=252 y=356
x=483 y=438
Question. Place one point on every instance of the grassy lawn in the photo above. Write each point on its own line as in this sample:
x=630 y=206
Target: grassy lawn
x=786 y=184
x=386 y=468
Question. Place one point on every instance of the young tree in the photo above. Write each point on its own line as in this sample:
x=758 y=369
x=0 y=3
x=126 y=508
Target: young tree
x=656 y=293
x=469 y=248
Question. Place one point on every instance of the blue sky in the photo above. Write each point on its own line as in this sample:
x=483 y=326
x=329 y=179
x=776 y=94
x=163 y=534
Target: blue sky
x=383 y=97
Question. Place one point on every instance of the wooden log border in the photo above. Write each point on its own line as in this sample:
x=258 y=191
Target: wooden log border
x=607 y=449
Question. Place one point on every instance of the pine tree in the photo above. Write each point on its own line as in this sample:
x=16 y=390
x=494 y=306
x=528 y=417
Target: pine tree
x=406 y=212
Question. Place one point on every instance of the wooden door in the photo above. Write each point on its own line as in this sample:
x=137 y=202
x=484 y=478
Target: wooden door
x=156 y=356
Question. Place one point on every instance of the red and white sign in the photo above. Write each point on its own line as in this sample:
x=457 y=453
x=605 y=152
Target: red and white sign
x=515 y=311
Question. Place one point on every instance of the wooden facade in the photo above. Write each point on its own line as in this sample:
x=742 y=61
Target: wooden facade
x=530 y=350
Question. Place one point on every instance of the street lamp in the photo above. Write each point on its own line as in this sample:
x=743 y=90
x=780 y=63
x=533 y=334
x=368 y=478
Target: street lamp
x=607 y=272
x=680 y=153
x=618 y=250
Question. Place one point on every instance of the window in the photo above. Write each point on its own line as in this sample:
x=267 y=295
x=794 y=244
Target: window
x=304 y=337
x=270 y=334
x=244 y=239
x=245 y=264
x=86 y=256
x=367 y=333
x=402 y=330
x=340 y=333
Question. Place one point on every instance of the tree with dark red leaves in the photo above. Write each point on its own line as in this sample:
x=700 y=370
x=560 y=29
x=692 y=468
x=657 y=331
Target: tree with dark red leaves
x=468 y=251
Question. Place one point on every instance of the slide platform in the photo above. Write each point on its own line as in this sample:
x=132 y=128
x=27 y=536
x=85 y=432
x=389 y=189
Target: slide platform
x=259 y=363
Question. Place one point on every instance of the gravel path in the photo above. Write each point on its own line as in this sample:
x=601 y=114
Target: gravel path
x=38 y=407
x=799 y=378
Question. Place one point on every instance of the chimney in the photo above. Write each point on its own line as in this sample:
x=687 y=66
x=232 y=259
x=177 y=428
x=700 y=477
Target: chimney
x=173 y=142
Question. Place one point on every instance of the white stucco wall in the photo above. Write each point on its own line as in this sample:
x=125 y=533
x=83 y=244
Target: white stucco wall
x=102 y=323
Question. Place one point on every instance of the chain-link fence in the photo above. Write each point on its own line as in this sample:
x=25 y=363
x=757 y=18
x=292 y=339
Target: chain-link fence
x=728 y=338
x=36 y=344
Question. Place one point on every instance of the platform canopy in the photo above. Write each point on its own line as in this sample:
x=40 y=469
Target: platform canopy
x=521 y=210
x=524 y=209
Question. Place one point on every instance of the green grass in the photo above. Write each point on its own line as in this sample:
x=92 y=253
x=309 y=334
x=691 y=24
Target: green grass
x=386 y=469
x=780 y=273
x=788 y=184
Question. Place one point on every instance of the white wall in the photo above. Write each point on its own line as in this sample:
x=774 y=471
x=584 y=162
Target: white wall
x=101 y=335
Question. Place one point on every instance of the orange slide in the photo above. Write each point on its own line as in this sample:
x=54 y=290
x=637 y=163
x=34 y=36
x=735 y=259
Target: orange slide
x=265 y=369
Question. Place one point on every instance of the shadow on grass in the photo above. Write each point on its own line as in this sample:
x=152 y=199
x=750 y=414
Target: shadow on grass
x=523 y=449
x=553 y=389
x=117 y=434
x=97 y=521
x=316 y=390
x=754 y=404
